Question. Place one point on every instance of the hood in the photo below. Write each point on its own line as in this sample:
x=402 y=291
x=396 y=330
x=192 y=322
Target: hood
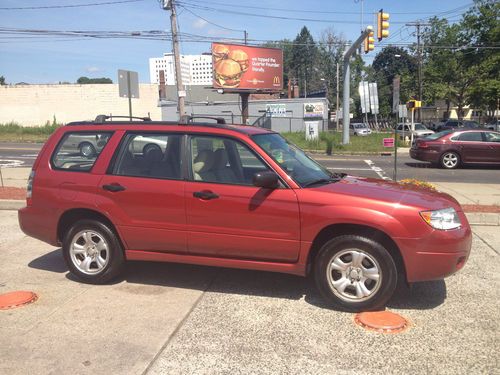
x=388 y=193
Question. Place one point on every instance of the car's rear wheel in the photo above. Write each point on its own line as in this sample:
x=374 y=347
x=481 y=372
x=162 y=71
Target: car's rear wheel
x=87 y=149
x=92 y=252
x=355 y=273
x=450 y=160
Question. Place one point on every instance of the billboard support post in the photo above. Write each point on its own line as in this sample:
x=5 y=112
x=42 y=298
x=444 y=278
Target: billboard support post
x=244 y=107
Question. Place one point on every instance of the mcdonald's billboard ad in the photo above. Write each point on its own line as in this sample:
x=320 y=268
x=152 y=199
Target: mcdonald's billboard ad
x=247 y=68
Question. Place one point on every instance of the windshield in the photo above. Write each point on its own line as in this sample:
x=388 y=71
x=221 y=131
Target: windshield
x=299 y=166
x=420 y=127
x=435 y=136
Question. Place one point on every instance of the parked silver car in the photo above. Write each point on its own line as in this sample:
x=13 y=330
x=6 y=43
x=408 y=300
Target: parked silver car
x=404 y=130
x=359 y=129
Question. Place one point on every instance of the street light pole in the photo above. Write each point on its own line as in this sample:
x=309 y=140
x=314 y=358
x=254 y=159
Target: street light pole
x=347 y=83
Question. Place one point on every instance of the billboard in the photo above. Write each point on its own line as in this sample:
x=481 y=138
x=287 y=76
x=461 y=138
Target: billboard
x=242 y=67
x=314 y=109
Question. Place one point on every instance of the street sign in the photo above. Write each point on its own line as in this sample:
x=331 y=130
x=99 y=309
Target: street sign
x=364 y=96
x=373 y=97
x=403 y=111
x=395 y=94
x=388 y=142
x=128 y=84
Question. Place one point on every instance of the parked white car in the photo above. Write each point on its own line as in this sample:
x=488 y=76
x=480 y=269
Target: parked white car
x=359 y=129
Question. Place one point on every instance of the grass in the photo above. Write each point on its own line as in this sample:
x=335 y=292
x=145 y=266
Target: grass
x=328 y=142
x=369 y=144
x=13 y=132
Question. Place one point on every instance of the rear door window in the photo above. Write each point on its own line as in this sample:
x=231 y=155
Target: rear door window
x=78 y=151
x=150 y=155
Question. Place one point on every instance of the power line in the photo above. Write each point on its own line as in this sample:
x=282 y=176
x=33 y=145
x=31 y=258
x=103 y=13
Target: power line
x=190 y=2
x=70 y=6
x=210 y=22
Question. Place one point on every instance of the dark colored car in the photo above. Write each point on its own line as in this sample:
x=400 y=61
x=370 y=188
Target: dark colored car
x=236 y=196
x=451 y=124
x=450 y=149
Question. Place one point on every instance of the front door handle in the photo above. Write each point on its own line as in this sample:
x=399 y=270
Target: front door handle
x=113 y=187
x=205 y=195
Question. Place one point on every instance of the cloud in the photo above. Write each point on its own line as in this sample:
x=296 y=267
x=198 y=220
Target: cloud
x=93 y=69
x=199 y=23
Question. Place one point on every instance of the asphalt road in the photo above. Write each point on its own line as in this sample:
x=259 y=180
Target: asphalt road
x=376 y=166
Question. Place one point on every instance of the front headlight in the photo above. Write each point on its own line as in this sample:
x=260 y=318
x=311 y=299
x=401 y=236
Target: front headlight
x=444 y=219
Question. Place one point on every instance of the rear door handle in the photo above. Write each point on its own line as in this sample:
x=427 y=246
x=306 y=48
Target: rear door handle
x=113 y=187
x=205 y=195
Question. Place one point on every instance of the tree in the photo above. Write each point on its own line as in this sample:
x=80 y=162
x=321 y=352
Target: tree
x=304 y=52
x=87 y=80
x=2 y=80
x=389 y=63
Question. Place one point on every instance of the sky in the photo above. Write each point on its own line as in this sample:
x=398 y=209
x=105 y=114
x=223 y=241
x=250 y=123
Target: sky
x=54 y=58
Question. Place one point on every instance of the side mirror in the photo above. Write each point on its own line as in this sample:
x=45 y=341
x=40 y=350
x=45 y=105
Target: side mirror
x=267 y=179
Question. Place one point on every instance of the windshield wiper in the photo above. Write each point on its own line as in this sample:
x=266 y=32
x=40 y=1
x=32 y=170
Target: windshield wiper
x=322 y=181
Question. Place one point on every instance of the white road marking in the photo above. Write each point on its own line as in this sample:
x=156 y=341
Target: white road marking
x=8 y=163
x=377 y=170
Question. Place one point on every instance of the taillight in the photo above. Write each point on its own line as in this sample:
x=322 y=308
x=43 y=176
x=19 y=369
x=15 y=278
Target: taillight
x=422 y=144
x=29 y=189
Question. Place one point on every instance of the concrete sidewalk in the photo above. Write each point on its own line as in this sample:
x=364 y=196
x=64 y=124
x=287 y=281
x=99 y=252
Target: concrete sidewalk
x=464 y=193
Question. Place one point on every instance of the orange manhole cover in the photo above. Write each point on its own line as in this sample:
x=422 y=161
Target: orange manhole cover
x=381 y=321
x=16 y=299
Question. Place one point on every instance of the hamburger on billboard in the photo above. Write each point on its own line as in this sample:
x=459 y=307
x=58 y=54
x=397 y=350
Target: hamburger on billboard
x=243 y=67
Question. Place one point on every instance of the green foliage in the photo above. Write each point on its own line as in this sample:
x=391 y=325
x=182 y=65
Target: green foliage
x=87 y=80
x=2 y=80
x=369 y=144
x=464 y=76
x=12 y=131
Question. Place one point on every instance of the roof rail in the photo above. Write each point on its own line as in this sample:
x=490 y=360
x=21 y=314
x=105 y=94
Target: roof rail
x=100 y=119
x=187 y=119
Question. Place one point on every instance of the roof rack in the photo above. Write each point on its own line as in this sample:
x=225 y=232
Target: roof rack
x=100 y=119
x=187 y=119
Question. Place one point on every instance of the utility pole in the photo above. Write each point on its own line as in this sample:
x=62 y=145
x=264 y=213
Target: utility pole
x=417 y=25
x=347 y=83
x=181 y=93
x=337 y=102
x=244 y=98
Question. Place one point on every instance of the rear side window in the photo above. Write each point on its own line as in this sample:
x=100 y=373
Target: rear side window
x=470 y=137
x=79 y=151
x=150 y=155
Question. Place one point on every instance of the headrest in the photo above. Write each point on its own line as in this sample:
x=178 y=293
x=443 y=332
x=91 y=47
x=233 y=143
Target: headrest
x=220 y=156
x=153 y=155
x=204 y=161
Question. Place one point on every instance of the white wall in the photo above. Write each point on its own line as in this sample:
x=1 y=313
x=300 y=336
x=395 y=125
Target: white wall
x=32 y=105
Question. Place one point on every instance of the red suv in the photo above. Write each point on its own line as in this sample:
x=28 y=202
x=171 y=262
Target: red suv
x=235 y=196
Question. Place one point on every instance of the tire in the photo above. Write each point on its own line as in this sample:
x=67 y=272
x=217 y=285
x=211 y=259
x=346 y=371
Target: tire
x=346 y=284
x=450 y=160
x=93 y=252
x=87 y=149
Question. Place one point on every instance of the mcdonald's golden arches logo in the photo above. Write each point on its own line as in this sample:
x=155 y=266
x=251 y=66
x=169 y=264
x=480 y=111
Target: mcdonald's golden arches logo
x=276 y=80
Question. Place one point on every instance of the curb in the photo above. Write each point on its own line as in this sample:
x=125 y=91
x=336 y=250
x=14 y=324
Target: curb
x=475 y=218
x=12 y=204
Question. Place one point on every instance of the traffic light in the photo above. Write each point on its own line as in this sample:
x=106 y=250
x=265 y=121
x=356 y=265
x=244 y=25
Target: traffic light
x=369 y=42
x=382 y=25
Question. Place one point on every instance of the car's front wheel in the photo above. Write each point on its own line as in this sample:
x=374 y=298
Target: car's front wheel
x=93 y=252
x=450 y=160
x=355 y=273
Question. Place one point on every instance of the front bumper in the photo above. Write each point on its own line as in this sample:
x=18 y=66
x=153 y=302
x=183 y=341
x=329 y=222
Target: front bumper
x=438 y=255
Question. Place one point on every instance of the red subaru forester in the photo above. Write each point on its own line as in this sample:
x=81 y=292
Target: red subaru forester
x=234 y=196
